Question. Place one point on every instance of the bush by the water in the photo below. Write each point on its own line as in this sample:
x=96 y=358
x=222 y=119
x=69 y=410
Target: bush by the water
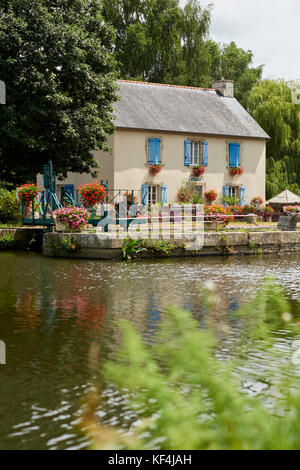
x=187 y=394
x=9 y=207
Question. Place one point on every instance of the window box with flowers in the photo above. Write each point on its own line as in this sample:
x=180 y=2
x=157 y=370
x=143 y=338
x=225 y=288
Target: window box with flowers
x=198 y=171
x=236 y=170
x=155 y=168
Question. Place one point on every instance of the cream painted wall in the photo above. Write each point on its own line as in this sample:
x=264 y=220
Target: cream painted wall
x=131 y=170
x=127 y=167
x=106 y=172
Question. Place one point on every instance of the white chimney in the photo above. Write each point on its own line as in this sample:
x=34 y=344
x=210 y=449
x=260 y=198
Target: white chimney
x=225 y=87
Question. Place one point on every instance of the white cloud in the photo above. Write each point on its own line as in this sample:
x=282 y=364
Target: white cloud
x=270 y=28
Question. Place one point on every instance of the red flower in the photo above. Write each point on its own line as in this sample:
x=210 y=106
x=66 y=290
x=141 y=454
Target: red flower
x=92 y=194
x=154 y=169
x=211 y=195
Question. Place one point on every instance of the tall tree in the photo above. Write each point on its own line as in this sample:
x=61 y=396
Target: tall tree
x=158 y=41
x=270 y=103
x=233 y=63
x=55 y=59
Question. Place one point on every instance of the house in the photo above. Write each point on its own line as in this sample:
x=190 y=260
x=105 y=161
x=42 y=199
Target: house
x=179 y=127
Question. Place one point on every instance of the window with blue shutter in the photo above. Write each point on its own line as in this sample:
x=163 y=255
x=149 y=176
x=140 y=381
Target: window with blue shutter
x=145 y=192
x=226 y=190
x=242 y=195
x=164 y=198
x=205 y=153
x=234 y=155
x=154 y=152
x=187 y=153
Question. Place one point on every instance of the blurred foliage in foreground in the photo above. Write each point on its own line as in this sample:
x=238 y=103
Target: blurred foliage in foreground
x=188 y=396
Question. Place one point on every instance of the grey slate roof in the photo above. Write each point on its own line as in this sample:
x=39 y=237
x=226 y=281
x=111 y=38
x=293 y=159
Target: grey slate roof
x=182 y=109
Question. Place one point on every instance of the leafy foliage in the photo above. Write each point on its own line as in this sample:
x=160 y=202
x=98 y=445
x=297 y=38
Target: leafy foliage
x=9 y=207
x=171 y=45
x=59 y=74
x=188 y=397
x=270 y=103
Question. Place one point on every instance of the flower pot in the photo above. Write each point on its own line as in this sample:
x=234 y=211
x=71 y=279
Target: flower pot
x=252 y=219
x=60 y=227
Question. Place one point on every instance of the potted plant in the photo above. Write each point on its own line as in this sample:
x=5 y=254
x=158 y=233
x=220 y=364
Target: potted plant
x=236 y=170
x=27 y=194
x=268 y=213
x=198 y=171
x=211 y=196
x=92 y=194
x=216 y=216
x=70 y=219
x=154 y=169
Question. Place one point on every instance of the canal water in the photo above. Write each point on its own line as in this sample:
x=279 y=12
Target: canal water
x=52 y=310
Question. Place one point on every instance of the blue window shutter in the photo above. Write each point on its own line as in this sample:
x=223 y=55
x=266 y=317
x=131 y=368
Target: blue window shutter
x=205 y=153
x=151 y=151
x=234 y=155
x=242 y=195
x=145 y=192
x=237 y=155
x=164 y=194
x=226 y=192
x=187 y=152
x=157 y=151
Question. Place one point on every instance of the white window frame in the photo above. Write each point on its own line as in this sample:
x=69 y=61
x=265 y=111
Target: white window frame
x=153 y=190
x=195 y=156
x=236 y=190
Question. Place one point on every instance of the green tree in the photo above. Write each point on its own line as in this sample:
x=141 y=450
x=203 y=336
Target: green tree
x=194 y=60
x=56 y=60
x=270 y=103
x=147 y=36
x=158 y=41
x=233 y=63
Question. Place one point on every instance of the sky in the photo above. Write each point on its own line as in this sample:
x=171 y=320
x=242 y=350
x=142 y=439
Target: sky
x=270 y=28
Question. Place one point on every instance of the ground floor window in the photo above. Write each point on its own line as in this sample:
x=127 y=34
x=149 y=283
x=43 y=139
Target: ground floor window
x=152 y=195
x=234 y=191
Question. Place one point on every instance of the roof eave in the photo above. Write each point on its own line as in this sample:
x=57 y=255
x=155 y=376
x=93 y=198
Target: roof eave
x=172 y=131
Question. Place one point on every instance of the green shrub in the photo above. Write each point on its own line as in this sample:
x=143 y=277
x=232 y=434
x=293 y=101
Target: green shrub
x=9 y=206
x=7 y=241
x=188 y=193
x=187 y=396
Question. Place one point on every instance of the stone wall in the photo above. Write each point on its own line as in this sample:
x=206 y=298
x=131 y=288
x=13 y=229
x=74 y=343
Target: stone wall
x=25 y=238
x=102 y=246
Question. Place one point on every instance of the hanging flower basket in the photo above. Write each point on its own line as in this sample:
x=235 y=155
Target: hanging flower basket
x=92 y=194
x=70 y=219
x=26 y=195
x=154 y=169
x=211 y=196
x=236 y=171
x=198 y=171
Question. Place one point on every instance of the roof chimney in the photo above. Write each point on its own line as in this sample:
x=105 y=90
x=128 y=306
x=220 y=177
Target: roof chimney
x=225 y=87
